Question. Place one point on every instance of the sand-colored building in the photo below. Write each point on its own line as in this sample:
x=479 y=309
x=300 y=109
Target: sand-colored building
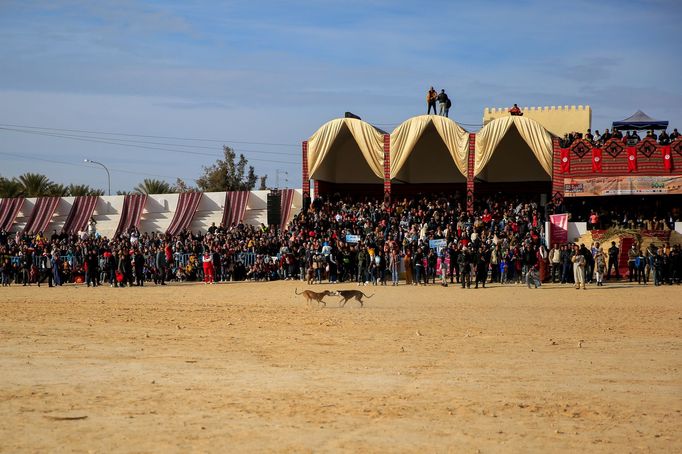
x=558 y=120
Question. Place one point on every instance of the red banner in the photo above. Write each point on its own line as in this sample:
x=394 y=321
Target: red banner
x=596 y=159
x=667 y=157
x=558 y=228
x=565 y=160
x=632 y=159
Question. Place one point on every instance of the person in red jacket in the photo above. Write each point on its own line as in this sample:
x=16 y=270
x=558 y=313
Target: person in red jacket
x=516 y=111
x=207 y=260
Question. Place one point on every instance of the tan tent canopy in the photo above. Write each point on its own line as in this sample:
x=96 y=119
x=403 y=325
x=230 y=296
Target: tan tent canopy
x=339 y=146
x=538 y=139
x=406 y=137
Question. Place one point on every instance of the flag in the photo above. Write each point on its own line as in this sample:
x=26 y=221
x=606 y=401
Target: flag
x=558 y=228
x=632 y=159
x=565 y=160
x=667 y=157
x=596 y=159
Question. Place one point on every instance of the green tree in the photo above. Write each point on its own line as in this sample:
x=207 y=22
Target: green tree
x=228 y=174
x=152 y=186
x=58 y=190
x=35 y=185
x=83 y=189
x=10 y=188
x=181 y=186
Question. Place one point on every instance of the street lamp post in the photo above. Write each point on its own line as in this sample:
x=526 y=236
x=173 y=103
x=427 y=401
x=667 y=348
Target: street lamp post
x=286 y=179
x=105 y=169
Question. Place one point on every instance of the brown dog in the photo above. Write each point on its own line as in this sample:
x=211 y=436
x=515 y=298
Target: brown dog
x=350 y=294
x=309 y=295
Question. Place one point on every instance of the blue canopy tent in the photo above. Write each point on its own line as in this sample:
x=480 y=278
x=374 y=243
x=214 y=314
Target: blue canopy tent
x=639 y=121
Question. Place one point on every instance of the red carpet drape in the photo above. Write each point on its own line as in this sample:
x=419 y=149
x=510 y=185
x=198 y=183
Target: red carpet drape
x=287 y=200
x=81 y=212
x=235 y=207
x=131 y=212
x=9 y=209
x=184 y=213
x=41 y=214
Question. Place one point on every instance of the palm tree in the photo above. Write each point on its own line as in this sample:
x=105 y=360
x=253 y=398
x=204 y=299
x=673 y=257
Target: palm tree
x=35 y=184
x=83 y=189
x=59 y=190
x=10 y=188
x=152 y=186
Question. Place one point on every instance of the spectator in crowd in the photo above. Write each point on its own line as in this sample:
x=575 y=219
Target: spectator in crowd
x=588 y=136
x=606 y=136
x=578 y=260
x=554 y=257
x=599 y=266
x=515 y=111
x=614 y=253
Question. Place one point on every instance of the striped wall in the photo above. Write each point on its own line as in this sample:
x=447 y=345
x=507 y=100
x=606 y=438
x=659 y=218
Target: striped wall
x=158 y=212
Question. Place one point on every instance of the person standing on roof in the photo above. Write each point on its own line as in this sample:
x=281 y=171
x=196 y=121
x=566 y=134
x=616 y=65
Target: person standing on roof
x=431 y=97
x=444 y=103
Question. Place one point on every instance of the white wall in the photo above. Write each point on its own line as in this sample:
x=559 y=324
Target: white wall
x=576 y=230
x=158 y=212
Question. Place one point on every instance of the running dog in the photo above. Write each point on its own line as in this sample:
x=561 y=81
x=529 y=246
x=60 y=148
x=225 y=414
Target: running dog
x=350 y=294
x=309 y=295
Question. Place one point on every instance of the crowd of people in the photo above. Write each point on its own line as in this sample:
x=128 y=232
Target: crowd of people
x=417 y=241
x=626 y=212
x=630 y=138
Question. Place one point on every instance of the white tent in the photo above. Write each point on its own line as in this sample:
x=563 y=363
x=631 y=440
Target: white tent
x=429 y=149
x=513 y=148
x=346 y=150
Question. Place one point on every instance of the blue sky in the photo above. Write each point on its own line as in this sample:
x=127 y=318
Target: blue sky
x=262 y=76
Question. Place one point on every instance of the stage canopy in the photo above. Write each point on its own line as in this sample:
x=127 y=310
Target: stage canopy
x=513 y=148
x=639 y=121
x=429 y=149
x=346 y=150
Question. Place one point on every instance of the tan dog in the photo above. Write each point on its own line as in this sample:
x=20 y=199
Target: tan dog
x=309 y=295
x=350 y=294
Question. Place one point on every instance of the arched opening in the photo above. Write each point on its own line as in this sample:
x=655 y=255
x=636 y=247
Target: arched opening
x=345 y=163
x=429 y=162
x=513 y=167
x=513 y=161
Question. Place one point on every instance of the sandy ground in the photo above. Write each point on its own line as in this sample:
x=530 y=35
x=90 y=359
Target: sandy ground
x=249 y=367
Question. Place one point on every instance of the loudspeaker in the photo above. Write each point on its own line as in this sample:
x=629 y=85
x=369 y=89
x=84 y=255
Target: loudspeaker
x=306 y=202
x=274 y=208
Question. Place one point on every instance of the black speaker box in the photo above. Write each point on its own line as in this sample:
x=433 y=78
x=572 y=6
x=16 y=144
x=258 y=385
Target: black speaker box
x=274 y=208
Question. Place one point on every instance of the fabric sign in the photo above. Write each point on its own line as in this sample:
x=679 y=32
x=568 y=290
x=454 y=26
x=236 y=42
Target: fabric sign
x=632 y=159
x=565 y=160
x=596 y=160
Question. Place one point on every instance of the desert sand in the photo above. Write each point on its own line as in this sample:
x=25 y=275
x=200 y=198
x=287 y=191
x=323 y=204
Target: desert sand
x=249 y=367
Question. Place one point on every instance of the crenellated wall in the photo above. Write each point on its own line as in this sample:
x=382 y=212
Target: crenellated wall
x=558 y=120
